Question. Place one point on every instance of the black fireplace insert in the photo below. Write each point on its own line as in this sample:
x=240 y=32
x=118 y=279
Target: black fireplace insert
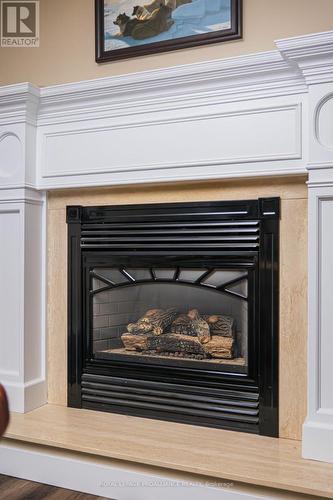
x=173 y=312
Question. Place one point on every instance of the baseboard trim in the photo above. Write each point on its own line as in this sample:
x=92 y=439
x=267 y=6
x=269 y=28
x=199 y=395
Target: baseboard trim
x=26 y=397
x=119 y=480
x=317 y=442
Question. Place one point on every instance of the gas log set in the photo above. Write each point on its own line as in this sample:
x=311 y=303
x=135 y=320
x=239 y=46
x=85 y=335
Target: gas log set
x=165 y=332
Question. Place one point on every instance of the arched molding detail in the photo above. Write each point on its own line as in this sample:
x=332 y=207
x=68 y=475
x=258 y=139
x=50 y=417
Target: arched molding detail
x=10 y=154
x=317 y=121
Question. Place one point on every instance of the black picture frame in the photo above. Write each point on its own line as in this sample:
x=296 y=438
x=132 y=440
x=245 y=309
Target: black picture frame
x=101 y=55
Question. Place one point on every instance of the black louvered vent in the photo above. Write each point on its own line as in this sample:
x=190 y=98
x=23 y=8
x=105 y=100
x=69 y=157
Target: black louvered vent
x=238 y=235
x=200 y=226
x=228 y=406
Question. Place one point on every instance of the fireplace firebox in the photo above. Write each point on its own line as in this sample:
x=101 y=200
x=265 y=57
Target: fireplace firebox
x=173 y=312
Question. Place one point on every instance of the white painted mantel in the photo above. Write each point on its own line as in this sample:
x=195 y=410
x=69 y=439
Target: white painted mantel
x=258 y=115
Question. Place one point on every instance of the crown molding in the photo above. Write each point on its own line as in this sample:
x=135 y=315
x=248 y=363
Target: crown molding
x=253 y=76
x=19 y=103
x=298 y=62
x=312 y=54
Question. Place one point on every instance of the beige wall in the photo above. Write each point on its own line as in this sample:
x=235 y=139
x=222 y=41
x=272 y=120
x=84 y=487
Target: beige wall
x=293 y=275
x=66 y=51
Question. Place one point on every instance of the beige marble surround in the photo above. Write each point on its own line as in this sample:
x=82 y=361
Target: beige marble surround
x=293 y=274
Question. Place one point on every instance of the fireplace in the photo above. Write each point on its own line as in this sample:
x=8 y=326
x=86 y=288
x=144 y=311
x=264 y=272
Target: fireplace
x=173 y=312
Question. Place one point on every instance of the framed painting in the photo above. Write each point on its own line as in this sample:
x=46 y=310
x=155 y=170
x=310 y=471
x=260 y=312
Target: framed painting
x=129 y=28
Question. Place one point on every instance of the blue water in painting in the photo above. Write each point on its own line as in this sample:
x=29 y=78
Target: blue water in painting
x=197 y=17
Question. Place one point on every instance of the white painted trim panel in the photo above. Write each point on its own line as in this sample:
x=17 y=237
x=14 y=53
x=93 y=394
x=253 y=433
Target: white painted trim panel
x=120 y=480
x=229 y=118
x=315 y=59
x=220 y=141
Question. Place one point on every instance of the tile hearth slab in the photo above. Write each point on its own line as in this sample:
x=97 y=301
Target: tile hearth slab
x=246 y=458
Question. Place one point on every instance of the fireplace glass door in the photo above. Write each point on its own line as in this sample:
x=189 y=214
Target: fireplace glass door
x=157 y=314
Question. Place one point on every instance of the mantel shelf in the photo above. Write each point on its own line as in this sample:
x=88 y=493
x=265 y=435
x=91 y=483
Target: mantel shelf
x=245 y=458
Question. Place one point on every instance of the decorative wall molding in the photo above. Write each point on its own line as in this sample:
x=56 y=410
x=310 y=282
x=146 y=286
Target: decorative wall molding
x=191 y=122
x=220 y=141
x=313 y=55
x=185 y=95
x=323 y=114
x=170 y=89
x=83 y=127
x=318 y=428
x=22 y=251
x=22 y=357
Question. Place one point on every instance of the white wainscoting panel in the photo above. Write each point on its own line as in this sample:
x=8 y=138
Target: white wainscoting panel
x=11 y=297
x=220 y=141
x=22 y=252
x=22 y=356
x=325 y=284
x=318 y=427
